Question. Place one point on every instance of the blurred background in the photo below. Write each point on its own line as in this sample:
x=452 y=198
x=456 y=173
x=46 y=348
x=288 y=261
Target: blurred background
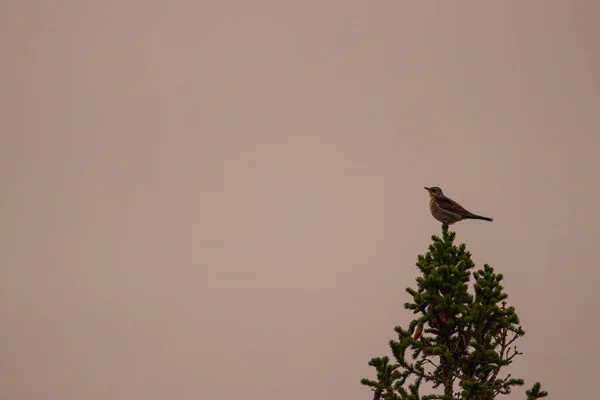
x=218 y=200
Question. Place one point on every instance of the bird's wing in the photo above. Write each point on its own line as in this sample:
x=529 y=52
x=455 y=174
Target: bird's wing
x=451 y=205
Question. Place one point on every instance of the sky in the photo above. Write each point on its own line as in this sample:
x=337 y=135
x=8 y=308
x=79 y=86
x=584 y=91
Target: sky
x=219 y=200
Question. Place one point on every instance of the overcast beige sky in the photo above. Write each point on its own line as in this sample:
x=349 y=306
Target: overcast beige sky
x=219 y=200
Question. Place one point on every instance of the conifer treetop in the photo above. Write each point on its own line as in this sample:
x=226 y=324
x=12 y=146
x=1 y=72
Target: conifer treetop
x=462 y=337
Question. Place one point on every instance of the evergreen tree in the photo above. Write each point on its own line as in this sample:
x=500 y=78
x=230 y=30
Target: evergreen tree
x=460 y=340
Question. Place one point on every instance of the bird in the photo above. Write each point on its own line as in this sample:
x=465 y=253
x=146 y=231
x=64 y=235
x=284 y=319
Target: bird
x=446 y=210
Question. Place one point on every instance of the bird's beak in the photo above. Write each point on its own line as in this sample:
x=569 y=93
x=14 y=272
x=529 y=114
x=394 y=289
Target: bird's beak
x=426 y=188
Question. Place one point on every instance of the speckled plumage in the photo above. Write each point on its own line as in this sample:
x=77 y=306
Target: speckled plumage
x=446 y=210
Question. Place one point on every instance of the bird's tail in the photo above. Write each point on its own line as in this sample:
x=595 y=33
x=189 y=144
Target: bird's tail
x=473 y=216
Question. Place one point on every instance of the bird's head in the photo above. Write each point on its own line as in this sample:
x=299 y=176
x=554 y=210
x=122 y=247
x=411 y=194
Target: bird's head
x=434 y=191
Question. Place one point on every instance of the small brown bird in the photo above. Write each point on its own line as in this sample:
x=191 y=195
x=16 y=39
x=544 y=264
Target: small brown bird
x=446 y=210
